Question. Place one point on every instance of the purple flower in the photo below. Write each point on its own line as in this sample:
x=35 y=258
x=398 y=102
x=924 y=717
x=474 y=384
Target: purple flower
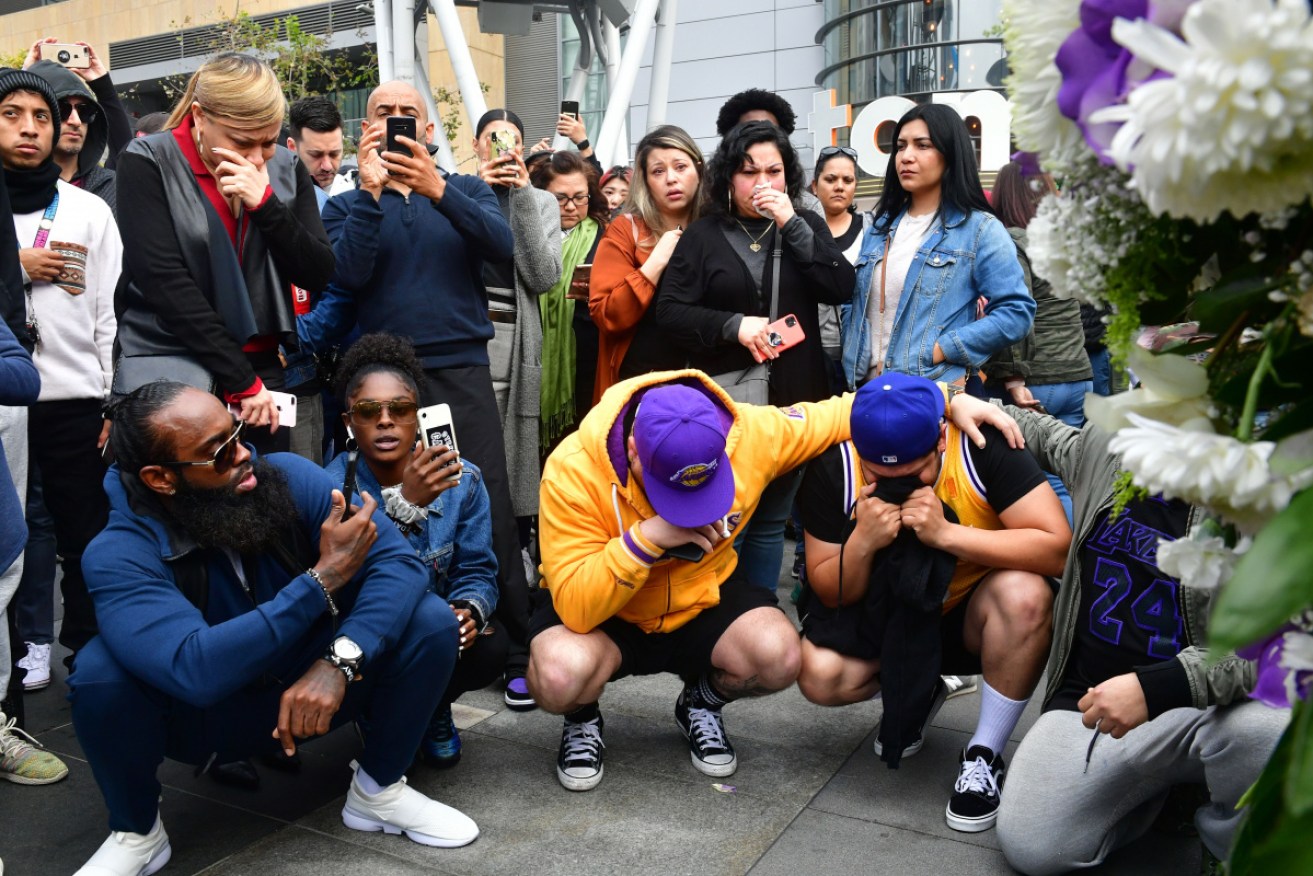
x=1282 y=673
x=1097 y=72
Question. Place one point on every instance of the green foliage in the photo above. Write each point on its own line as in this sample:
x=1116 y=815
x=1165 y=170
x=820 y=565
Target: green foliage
x=1271 y=582
x=1274 y=837
x=449 y=104
x=1124 y=491
x=301 y=59
x=14 y=59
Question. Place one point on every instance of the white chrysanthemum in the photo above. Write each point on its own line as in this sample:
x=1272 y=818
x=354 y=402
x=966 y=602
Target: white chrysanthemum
x=1034 y=32
x=1232 y=128
x=1075 y=240
x=1173 y=390
x=1229 y=476
x=1203 y=562
x=1305 y=313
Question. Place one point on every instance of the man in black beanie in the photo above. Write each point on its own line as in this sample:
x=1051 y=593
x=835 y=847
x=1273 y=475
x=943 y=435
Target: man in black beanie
x=69 y=248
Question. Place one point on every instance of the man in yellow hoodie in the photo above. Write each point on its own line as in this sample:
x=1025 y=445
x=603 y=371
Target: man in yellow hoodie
x=637 y=518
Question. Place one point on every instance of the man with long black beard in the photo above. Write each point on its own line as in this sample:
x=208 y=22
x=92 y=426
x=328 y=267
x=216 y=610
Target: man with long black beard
x=243 y=606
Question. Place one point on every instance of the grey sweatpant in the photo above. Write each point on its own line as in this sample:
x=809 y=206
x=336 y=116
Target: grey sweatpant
x=13 y=434
x=1055 y=817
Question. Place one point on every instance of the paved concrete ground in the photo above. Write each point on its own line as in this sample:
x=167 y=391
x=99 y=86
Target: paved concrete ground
x=809 y=797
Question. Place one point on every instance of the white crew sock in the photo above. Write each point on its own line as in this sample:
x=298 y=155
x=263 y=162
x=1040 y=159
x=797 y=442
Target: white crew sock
x=367 y=783
x=998 y=717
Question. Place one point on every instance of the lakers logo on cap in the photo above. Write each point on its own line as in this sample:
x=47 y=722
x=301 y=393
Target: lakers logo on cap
x=694 y=475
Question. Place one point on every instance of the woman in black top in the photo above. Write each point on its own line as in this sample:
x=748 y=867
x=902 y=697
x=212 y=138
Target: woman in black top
x=714 y=299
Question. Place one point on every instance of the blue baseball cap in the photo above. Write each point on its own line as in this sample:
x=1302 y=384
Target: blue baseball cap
x=679 y=434
x=895 y=419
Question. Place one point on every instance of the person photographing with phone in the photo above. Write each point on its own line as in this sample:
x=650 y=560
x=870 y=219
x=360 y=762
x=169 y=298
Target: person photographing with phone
x=715 y=300
x=438 y=502
x=240 y=613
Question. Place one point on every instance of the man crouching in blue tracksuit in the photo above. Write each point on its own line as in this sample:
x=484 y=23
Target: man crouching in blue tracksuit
x=239 y=612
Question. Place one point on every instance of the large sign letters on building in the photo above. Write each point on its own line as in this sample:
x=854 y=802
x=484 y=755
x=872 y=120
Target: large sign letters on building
x=989 y=107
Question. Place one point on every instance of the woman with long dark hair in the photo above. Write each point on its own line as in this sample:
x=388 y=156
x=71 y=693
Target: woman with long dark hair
x=933 y=252
x=715 y=298
x=569 y=336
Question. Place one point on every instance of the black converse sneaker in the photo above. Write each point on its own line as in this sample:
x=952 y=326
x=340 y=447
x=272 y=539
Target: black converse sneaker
x=941 y=693
x=708 y=747
x=974 y=804
x=579 y=763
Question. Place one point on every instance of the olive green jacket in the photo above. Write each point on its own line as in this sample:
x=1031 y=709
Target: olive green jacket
x=1082 y=459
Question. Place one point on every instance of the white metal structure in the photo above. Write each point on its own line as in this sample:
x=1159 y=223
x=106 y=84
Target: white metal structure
x=403 y=55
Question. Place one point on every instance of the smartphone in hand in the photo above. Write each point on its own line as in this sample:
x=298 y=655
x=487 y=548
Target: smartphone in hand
x=570 y=108
x=580 y=280
x=436 y=429
x=349 y=482
x=785 y=332
x=400 y=126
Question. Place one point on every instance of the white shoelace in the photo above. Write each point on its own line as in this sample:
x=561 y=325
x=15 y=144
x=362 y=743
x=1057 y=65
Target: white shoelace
x=582 y=740
x=976 y=777
x=10 y=743
x=706 y=727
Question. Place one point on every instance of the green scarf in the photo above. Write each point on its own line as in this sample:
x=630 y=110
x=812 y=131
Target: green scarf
x=556 y=395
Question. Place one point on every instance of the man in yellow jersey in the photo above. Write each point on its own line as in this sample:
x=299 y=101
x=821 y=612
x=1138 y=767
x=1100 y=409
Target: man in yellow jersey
x=906 y=506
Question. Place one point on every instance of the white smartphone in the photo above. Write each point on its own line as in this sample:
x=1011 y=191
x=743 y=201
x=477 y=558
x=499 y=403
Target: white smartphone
x=436 y=428
x=284 y=401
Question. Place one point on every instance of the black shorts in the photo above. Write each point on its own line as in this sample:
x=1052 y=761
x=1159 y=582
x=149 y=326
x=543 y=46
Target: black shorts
x=687 y=651
x=845 y=631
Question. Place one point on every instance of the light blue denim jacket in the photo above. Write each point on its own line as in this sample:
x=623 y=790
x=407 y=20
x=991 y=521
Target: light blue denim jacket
x=962 y=258
x=455 y=542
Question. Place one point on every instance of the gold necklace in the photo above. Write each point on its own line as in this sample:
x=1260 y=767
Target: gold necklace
x=755 y=246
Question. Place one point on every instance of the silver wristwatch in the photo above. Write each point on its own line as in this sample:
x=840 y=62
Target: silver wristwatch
x=346 y=656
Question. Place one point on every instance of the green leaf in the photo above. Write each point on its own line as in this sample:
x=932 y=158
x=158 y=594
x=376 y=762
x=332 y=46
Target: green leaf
x=1271 y=582
x=1294 y=453
x=1299 y=776
x=1218 y=307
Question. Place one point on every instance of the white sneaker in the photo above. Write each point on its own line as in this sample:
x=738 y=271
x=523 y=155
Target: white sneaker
x=399 y=808
x=130 y=854
x=37 y=664
x=961 y=685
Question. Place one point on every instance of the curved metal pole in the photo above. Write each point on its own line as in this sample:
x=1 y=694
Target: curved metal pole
x=663 y=52
x=387 y=71
x=403 y=40
x=467 y=79
x=609 y=149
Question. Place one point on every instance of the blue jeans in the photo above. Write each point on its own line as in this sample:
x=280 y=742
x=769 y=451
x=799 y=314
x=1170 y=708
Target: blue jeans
x=1101 y=362
x=127 y=727
x=34 y=603
x=1066 y=401
x=761 y=544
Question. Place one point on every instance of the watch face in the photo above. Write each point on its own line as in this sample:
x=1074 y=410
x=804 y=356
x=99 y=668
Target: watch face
x=347 y=650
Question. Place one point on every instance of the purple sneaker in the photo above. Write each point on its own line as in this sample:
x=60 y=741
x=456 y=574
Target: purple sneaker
x=517 y=695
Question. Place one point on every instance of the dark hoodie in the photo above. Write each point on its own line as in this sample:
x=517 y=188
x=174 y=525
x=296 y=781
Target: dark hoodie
x=109 y=129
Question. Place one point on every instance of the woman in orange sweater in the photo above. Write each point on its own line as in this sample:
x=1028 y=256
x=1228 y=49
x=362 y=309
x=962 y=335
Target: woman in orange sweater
x=665 y=197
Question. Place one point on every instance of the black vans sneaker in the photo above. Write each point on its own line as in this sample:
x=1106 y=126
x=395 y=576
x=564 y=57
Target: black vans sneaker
x=708 y=747
x=579 y=763
x=974 y=804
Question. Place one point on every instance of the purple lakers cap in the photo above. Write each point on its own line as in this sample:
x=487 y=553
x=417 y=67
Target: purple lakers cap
x=680 y=438
x=895 y=419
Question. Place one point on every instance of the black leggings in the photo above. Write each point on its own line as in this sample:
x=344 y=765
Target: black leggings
x=479 y=665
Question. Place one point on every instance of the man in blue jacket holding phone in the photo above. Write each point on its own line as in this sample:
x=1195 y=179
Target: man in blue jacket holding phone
x=244 y=605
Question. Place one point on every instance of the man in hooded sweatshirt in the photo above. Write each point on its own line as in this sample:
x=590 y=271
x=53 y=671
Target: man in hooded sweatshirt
x=92 y=119
x=71 y=255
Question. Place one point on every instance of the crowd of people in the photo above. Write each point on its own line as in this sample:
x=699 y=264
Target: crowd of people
x=651 y=371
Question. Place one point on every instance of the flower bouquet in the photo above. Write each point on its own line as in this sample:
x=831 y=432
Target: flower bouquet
x=1181 y=134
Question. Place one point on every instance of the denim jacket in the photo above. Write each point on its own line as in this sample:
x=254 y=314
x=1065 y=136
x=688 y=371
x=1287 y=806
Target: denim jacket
x=962 y=258
x=455 y=542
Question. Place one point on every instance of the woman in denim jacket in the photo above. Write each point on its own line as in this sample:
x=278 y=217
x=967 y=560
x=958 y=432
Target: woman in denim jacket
x=916 y=312
x=438 y=502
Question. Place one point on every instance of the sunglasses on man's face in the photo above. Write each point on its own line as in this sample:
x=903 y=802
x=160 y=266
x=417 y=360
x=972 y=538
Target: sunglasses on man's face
x=369 y=411
x=224 y=456
x=87 y=111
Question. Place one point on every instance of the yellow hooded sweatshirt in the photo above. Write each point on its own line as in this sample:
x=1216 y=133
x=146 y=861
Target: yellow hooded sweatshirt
x=596 y=563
